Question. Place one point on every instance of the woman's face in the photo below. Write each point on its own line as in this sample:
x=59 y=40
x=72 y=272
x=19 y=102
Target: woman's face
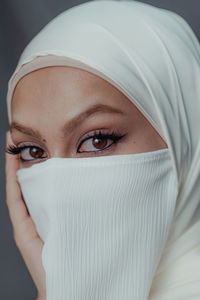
x=69 y=112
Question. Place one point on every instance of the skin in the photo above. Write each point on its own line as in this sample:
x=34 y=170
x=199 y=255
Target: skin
x=33 y=105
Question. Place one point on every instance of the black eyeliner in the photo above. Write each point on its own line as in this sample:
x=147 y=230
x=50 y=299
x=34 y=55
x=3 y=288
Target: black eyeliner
x=98 y=134
x=14 y=150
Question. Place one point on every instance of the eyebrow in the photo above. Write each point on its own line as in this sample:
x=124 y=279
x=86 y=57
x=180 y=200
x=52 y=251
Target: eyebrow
x=71 y=125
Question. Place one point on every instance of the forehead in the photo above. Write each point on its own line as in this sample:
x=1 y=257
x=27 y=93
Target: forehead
x=61 y=74
x=61 y=89
x=67 y=81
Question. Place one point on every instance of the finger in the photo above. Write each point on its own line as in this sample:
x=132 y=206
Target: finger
x=25 y=234
x=16 y=206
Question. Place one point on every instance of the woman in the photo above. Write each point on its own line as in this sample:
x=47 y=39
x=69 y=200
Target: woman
x=122 y=222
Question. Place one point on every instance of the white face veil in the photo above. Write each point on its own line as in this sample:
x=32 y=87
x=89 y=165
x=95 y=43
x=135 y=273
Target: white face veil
x=153 y=57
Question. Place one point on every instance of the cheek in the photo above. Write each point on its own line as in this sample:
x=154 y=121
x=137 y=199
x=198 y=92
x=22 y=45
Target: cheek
x=129 y=146
x=21 y=165
x=139 y=139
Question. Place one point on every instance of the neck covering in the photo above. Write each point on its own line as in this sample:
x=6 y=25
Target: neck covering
x=153 y=57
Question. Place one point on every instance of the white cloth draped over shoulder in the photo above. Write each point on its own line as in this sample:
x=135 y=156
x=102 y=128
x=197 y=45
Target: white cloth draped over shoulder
x=153 y=57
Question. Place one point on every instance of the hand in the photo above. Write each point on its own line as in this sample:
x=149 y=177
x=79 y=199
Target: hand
x=24 y=231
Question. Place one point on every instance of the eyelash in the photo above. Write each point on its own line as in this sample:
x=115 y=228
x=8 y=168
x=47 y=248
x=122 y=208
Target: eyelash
x=12 y=149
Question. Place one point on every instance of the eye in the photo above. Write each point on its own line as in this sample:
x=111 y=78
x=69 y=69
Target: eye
x=31 y=152
x=98 y=141
x=27 y=152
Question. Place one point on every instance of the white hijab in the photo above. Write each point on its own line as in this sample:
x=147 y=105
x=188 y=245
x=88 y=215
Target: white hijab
x=153 y=57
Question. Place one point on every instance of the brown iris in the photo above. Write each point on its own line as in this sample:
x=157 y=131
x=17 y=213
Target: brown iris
x=36 y=152
x=99 y=142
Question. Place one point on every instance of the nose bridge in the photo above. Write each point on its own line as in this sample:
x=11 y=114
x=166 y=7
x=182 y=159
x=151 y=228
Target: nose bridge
x=58 y=152
x=58 y=148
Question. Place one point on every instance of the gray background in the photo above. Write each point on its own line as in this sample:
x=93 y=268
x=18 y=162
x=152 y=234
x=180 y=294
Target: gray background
x=19 y=21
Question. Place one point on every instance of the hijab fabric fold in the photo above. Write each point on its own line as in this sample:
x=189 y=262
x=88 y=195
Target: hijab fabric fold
x=153 y=57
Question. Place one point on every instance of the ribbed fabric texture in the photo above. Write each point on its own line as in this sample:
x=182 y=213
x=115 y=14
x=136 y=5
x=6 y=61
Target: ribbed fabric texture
x=104 y=220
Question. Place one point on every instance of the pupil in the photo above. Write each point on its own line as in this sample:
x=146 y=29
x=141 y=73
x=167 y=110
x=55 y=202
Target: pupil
x=99 y=143
x=35 y=152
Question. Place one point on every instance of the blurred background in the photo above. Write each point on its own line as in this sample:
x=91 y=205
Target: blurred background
x=19 y=21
